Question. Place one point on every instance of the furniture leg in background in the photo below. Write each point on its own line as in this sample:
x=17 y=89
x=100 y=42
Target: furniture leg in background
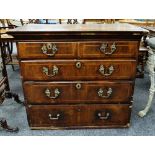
x=151 y=66
x=8 y=93
x=5 y=83
x=142 y=58
x=3 y=86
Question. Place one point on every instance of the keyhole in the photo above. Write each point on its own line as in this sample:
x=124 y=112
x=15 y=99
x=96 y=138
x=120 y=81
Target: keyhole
x=78 y=65
x=78 y=86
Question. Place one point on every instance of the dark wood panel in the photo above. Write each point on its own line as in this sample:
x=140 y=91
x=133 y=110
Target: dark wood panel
x=77 y=92
x=34 y=50
x=82 y=116
x=70 y=37
x=108 y=49
x=67 y=69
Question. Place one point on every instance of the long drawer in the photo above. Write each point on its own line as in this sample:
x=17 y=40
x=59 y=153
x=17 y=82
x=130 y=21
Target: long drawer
x=76 y=92
x=54 y=70
x=81 y=116
x=88 y=49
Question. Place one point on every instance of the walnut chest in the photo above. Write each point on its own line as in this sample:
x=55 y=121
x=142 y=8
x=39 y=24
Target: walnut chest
x=78 y=76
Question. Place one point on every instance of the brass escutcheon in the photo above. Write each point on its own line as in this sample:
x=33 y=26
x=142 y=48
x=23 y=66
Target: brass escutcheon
x=78 y=86
x=78 y=65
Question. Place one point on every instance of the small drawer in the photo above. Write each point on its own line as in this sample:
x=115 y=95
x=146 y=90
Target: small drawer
x=57 y=70
x=87 y=92
x=82 y=116
x=47 y=50
x=109 y=49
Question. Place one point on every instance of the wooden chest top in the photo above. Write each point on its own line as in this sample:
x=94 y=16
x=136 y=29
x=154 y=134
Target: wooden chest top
x=78 y=28
x=46 y=31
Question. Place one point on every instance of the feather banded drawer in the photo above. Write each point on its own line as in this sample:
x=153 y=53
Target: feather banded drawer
x=78 y=76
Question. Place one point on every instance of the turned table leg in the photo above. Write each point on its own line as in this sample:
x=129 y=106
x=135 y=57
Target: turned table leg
x=151 y=66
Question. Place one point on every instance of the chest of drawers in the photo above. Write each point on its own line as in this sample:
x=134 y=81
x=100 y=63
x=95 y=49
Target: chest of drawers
x=78 y=76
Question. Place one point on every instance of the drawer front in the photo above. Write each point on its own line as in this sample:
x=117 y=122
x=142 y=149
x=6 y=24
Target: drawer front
x=76 y=92
x=51 y=50
x=103 y=49
x=82 y=116
x=78 y=70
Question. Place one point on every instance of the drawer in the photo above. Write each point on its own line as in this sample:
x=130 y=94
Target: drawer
x=82 y=116
x=78 y=70
x=107 y=49
x=76 y=92
x=92 y=49
x=45 y=50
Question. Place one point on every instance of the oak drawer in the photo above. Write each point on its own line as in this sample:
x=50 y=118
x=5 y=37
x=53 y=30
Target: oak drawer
x=82 y=116
x=108 y=49
x=47 y=50
x=77 y=92
x=54 y=70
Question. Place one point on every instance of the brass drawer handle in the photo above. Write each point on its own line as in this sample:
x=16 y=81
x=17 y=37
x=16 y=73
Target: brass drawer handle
x=103 y=117
x=106 y=71
x=101 y=93
x=57 y=117
x=54 y=71
x=56 y=93
x=104 y=48
x=49 y=47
